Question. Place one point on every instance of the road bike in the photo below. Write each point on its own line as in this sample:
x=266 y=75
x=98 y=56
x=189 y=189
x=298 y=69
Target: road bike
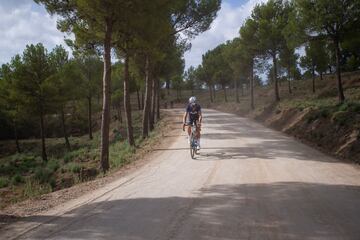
x=193 y=140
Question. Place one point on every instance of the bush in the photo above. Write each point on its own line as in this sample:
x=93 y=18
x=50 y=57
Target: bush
x=53 y=165
x=43 y=175
x=17 y=179
x=74 y=167
x=320 y=113
x=4 y=182
x=120 y=154
x=68 y=157
x=342 y=118
x=71 y=156
x=33 y=188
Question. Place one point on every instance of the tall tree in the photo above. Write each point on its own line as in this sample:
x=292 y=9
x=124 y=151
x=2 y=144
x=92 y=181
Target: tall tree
x=288 y=60
x=315 y=59
x=249 y=44
x=33 y=83
x=64 y=84
x=91 y=70
x=11 y=102
x=271 y=18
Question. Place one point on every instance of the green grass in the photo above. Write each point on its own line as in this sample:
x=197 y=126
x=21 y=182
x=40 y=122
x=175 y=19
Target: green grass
x=33 y=188
x=73 y=167
x=120 y=153
x=4 y=182
x=17 y=179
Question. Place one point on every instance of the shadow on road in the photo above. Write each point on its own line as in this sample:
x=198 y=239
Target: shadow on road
x=285 y=210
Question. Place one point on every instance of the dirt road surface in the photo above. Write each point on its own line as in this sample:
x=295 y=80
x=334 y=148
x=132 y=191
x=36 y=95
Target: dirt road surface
x=249 y=182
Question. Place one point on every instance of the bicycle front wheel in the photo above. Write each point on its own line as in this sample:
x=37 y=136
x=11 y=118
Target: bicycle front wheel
x=192 y=152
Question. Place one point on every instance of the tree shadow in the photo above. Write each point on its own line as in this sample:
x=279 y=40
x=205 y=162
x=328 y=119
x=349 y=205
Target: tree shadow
x=284 y=210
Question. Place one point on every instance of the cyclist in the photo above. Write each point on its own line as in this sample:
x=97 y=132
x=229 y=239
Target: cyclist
x=193 y=114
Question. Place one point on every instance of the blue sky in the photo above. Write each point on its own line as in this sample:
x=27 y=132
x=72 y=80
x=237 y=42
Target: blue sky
x=24 y=22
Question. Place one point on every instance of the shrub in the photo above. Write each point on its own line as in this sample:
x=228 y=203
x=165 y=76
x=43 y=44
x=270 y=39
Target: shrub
x=33 y=188
x=53 y=165
x=71 y=156
x=17 y=179
x=4 y=182
x=74 y=167
x=342 y=118
x=43 y=175
x=343 y=107
x=68 y=157
x=120 y=154
x=320 y=113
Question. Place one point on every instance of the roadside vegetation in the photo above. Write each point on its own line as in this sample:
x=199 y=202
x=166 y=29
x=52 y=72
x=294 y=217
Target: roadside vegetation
x=25 y=175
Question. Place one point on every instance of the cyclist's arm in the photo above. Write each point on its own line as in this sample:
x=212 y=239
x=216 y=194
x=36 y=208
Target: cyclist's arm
x=200 y=117
x=184 y=117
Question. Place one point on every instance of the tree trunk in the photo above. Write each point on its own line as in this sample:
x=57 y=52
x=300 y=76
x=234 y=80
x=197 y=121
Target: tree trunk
x=67 y=143
x=120 y=113
x=42 y=133
x=252 y=105
x=153 y=102
x=16 y=137
x=211 y=94
x=167 y=85
x=105 y=120
x=158 y=103
x=237 y=99
x=142 y=100
x=313 y=78
x=321 y=76
x=127 y=104
x=90 y=117
x=338 y=72
x=225 y=96
x=289 y=86
x=214 y=91
x=147 y=104
x=242 y=90
x=289 y=82
x=138 y=98
x=277 y=96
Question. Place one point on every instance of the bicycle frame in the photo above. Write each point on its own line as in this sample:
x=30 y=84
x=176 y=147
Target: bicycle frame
x=193 y=142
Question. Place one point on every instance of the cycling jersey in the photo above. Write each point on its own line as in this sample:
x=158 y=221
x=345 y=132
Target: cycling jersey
x=193 y=110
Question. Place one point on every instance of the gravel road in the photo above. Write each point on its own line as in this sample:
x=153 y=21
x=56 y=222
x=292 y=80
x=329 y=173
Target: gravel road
x=249 y=182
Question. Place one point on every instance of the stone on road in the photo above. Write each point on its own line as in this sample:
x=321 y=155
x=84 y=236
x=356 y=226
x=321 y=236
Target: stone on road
x=249 y=182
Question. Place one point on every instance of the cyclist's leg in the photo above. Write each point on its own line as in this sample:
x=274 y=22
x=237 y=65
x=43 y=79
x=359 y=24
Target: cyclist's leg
x=189 y=130
x=197 y=135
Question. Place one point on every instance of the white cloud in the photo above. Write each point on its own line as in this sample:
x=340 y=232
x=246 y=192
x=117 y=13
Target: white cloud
x=22 y=23
x=225 y=27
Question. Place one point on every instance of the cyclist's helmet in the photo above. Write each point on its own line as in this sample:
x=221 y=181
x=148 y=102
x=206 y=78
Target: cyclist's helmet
x=192 y=100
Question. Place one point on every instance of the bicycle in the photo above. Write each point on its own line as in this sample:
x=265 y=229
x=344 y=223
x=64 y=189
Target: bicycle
x=193 y=141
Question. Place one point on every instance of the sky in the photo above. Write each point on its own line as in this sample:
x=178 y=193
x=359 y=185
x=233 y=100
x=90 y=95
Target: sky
x=24 y=22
